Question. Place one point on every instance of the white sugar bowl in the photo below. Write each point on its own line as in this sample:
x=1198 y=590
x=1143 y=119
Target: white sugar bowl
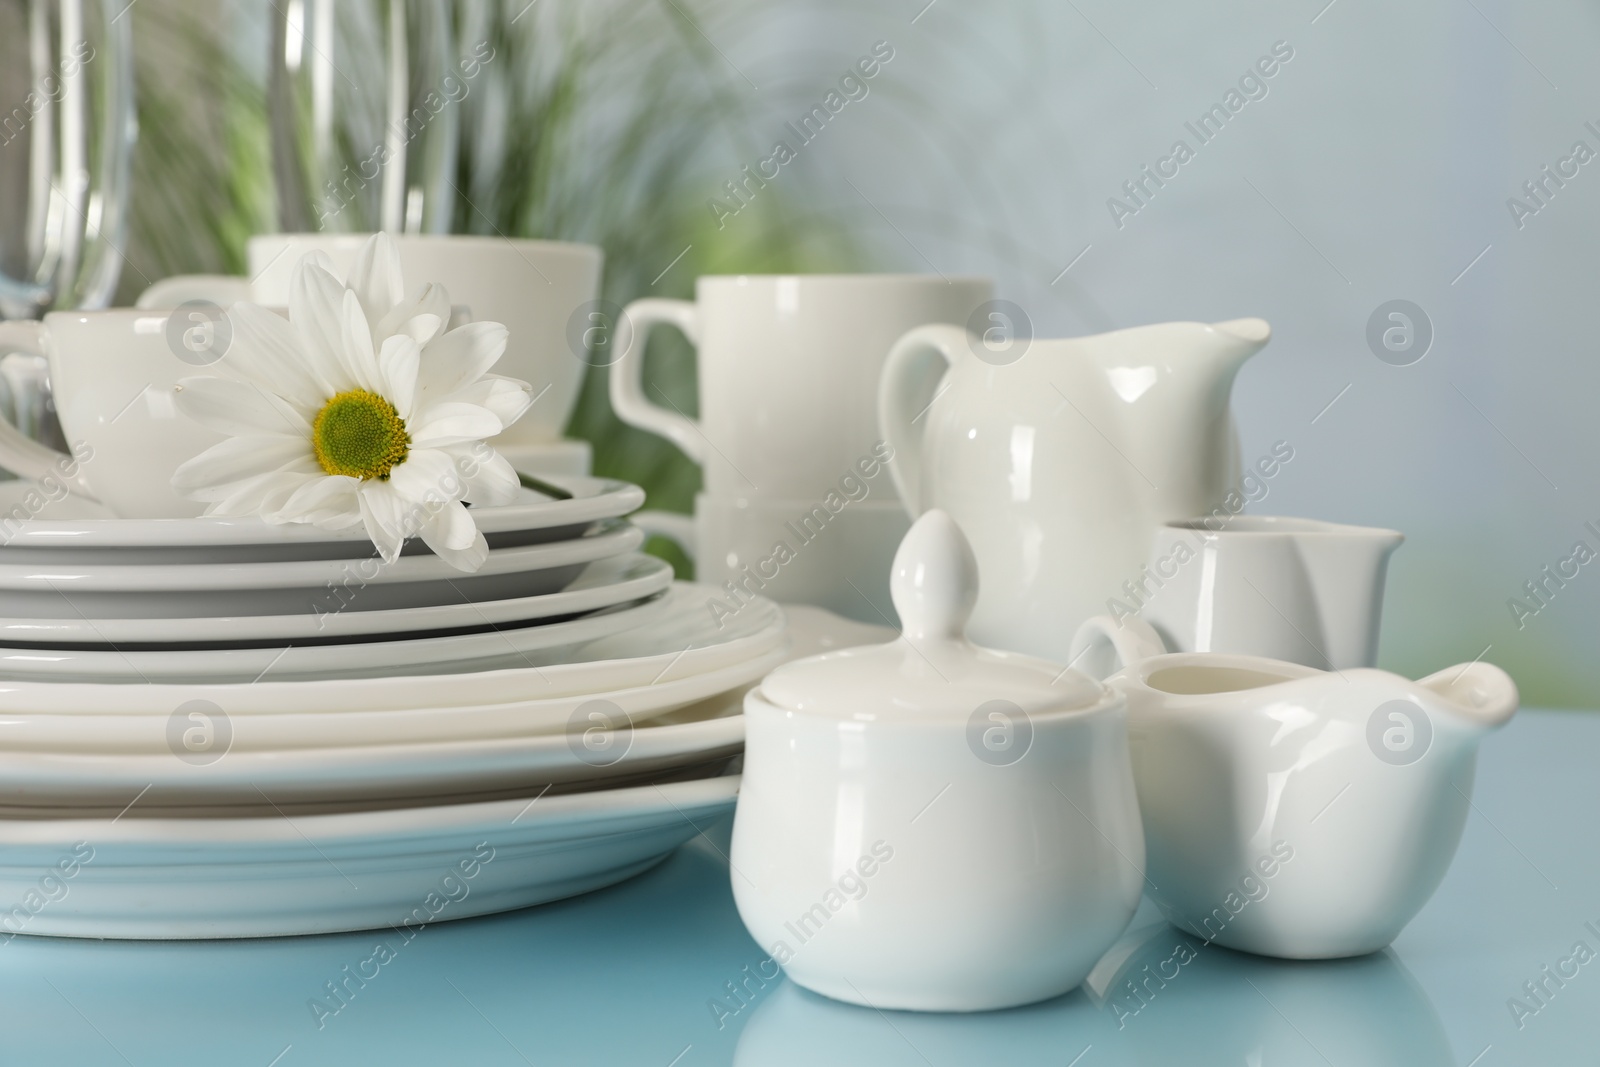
x=933 y=826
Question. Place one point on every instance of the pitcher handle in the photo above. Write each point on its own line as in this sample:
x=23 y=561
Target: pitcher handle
x=224 y=290
x=627 y=374
x=1104 y=645
x=19 y=453
x=903 y=400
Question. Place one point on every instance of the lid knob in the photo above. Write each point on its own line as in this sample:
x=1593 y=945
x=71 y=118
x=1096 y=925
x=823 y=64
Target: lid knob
x=934 y=583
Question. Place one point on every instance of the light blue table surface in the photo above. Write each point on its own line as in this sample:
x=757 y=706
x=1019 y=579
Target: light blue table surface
x=629 y=975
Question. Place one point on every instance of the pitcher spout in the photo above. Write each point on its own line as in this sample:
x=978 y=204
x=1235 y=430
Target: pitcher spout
x=1481 y=693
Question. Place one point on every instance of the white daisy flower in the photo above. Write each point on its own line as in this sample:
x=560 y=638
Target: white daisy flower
x=359 y=409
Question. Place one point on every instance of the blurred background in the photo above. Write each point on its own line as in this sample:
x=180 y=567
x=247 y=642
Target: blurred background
x=1383 y=159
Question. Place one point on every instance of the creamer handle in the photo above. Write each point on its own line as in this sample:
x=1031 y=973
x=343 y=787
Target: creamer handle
x=1104 y=645
x=903 y=402
x=627 y=374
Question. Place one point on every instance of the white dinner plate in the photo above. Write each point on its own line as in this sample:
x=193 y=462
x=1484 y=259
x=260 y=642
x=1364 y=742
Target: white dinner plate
x=288 y=587
x=600 y=754
x=395 y=869
x=599 y=585
x=42 y=539
x=672 y=637
x=202 y=730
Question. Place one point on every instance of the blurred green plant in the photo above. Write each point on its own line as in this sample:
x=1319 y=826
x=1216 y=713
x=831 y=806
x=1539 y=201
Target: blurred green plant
x=611 y=123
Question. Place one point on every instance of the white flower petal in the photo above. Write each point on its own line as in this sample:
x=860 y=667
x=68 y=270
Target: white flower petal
x=397 y=373
x=384 y=514
x=460 y=357
x=420 y=317
x=508 y=398
x=449 y=424
x=328 y=501
x=376 y=277
x=490 y=478
x=234 y=460
x=355 y=346
x=267 y=350
x=316 y=309
x=264 y=493
x=454 y=538
x=426 y=480
x=238 y=408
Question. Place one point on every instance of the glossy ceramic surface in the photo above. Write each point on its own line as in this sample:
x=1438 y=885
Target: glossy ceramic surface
x=933 y=826
x=671 y=637
x=1061 y=458
x=112 y=378
x=1262 y=585
x=288 y=587
x=598 y=750
x=599 y=585
x=1300 y=813
x=788 y=369
x=546 y=982
x=187 y=878
x=43 y=527
x=204 y=728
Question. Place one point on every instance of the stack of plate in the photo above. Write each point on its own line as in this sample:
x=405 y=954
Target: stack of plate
x=222 y=728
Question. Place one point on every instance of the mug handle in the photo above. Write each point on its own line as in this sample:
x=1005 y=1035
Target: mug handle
x=19 y=453
x=627 y=374
x=224 y=290
x=674 y=526
x=903 y=399
x=1104 y=645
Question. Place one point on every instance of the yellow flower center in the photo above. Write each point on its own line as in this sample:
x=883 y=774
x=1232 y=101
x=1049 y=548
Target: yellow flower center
x=360 y=435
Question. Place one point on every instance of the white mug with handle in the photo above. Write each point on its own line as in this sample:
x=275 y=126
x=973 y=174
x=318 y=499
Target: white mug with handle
x=788 y=371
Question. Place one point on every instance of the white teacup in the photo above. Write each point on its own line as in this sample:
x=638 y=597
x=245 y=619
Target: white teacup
x=112 y=374
x=1293 y=589
x=788 y=370
x=544 y=292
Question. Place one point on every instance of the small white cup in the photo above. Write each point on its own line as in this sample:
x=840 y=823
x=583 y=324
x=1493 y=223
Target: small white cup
x=112 y=374
x=544 y=292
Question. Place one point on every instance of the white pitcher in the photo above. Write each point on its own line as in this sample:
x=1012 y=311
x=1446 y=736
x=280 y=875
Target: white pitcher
x=1060 y=465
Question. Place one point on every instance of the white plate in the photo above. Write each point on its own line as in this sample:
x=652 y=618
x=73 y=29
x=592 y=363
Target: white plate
x=215 y=540
x=289 y=587
x=461 y=653
x=600 y=585
x=674 y=637
x=200 y=878
x=202 y=730
x=245 y=783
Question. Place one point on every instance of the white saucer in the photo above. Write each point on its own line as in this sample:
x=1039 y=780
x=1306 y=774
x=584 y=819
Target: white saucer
x=602 y=584
x=208 y=878
x=289 y=587
x=674 y=623
x=212 y=540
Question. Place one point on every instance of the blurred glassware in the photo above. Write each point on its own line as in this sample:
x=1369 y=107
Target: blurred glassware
x=67 y=128
x=363 y=125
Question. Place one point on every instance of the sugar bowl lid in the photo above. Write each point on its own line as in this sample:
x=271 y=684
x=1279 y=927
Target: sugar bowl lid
x=932 y=672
